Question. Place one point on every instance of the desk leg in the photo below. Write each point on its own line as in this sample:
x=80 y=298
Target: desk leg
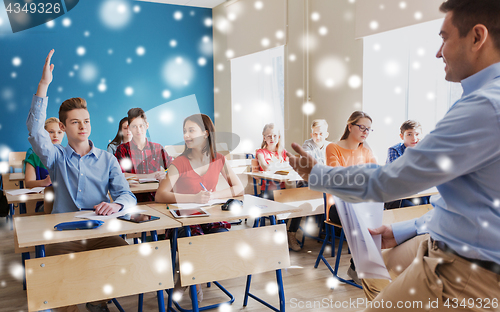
x=159 y=293
x=25 y=256
x=40 y=251
x=22 y=208
x=170 y=292
x=192 y=288
x=279 y=277
x=11 y=216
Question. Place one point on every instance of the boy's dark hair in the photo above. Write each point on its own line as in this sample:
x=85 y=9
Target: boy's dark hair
x=469 y=13
x=410 y=125
x=134 y=113
x=69 y=105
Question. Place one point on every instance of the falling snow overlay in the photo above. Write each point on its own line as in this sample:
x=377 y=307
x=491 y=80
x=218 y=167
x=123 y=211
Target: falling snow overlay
x=114 y=54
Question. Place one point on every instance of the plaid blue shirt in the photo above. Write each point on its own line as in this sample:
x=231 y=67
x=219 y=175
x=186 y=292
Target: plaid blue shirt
x=394 y=152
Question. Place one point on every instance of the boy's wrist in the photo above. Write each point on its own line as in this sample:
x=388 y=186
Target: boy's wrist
x=42 y=89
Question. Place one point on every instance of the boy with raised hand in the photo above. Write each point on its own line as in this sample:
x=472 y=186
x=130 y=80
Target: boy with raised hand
x=82 y=174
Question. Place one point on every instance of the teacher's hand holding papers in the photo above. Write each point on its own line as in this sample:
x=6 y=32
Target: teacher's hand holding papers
x=302 y=164
x=388 y=240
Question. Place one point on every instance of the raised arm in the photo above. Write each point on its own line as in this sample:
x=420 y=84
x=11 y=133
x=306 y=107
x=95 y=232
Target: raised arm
x=38 y=137
x=44 y=83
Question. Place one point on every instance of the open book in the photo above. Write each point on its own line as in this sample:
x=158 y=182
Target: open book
x=26 y=191
x=365 y=249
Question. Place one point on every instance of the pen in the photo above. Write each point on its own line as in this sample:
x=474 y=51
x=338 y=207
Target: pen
x=203 y=186
x=89 y=209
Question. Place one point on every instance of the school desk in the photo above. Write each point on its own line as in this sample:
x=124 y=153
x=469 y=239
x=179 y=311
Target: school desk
x=263 y=208
x=21 y=199
x=267 y=177
x=149 y=187
x=132 y=270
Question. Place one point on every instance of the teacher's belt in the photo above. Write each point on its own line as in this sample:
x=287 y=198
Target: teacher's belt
x=488 y=265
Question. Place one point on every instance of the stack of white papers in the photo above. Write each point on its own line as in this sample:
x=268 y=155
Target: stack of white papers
x=26 y=191
x=147 y=180
x=365 y=249
x=93 y=216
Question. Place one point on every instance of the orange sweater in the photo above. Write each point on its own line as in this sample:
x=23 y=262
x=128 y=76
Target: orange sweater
x=339 y=156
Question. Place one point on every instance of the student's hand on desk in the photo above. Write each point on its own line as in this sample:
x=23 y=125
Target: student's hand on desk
x=302 y=164
x=106 y=209
x=203 y=197
x=388 y=240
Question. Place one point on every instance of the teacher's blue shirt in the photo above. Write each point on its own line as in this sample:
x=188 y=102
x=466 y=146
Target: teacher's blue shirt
x=461 y=156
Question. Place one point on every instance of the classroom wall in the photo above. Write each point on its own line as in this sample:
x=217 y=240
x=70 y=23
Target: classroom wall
x=116 y=61
x=376 y=16
x=308 y=70
x=323 y=58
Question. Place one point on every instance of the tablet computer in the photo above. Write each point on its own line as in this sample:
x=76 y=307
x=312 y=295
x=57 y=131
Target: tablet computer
x=138 y=218
x=189 y=213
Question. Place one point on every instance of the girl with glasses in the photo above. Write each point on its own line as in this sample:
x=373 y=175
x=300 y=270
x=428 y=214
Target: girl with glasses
x=351 y=150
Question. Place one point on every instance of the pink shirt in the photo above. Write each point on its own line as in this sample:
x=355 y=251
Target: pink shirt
x=189 y=181
x=268 y=155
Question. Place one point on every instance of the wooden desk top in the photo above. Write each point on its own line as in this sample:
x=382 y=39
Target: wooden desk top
x=39 y=230
x=404 y=214
x=217 y=214
x=428 y=192
x=17 y=176
x=24 y=198
x=290 y=177
x=137 y=188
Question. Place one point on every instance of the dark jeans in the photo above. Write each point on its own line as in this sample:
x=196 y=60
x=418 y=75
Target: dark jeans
x=294 y=224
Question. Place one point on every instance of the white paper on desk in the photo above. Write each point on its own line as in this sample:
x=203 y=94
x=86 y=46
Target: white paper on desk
x=147 y=180
x=356 y=219
x=26 y=191
x=93 y=216
x=196 y=205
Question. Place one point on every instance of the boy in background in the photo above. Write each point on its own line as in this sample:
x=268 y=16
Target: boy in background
x=141 y=156
x=81 y=173
x=410 y=134
x=317 y=144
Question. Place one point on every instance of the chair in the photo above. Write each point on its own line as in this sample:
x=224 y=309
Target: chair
x=98 y=275
x=311 y=204
x=245 y=252
x=330 y=229
x=16 y=160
